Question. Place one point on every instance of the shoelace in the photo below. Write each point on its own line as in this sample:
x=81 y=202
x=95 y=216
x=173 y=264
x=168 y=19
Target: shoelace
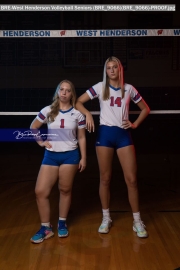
x=105 y=220
x=140 y=225
x=62 y=225
x=41 y=230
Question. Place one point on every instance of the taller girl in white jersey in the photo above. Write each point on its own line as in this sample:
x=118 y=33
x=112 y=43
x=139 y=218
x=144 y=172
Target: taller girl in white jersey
x=114 y=134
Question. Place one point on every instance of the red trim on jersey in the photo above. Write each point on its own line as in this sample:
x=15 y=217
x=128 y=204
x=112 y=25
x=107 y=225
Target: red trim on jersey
x=40 y=115
x=92 y=91
x=136 y=97
x=83 y=122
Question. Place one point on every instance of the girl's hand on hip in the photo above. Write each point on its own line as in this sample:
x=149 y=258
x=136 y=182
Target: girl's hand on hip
x=45 y=144
x=127 y=124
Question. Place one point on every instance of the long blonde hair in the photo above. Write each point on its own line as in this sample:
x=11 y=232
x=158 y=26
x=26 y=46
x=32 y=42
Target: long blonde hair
x=55 y=105
x=106 y=79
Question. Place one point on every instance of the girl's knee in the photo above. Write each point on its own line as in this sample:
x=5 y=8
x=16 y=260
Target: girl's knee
x=131 y=181
x=105 y=179
x=41 y=193
x=65 y=191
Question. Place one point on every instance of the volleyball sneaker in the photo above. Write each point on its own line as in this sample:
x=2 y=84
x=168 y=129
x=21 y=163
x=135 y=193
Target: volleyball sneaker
x=62 y=228
x=44 y=233
x=139 y=228
x=105 y=225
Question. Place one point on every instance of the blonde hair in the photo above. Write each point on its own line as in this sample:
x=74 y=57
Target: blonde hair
x=55 y=105
x=106 y=79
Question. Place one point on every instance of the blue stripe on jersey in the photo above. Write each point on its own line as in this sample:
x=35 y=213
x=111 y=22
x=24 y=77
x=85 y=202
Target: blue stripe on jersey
x=136 y=97
x=40 y=115
x=92 y=91
x=83 y=122
x=114 y=88
x=66 y=111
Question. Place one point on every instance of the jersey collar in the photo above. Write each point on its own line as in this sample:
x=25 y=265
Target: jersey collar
x=116 y=89
x=66 y=111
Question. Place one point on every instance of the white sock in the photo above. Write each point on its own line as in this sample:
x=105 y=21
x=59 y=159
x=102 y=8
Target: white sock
x=137 y=216
x=47 y=224
x=60 y=218
x=106 y=213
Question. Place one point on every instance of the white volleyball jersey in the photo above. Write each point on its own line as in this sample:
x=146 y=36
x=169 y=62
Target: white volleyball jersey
x=114 y=110
x=63 y=131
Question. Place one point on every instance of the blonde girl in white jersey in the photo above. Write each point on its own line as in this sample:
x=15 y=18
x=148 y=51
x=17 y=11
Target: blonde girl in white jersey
x=62 y=158
x=114 y=134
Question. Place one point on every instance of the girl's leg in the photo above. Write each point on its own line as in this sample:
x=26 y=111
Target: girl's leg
x=127 y=159
x=47 y=177
x=105 y=157
x=66 y=177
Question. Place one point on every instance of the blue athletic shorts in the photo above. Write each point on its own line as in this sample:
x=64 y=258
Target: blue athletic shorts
x=59 y=158
x=113 y=137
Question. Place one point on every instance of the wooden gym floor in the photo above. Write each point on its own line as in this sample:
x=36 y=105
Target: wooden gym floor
x=85 y=248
